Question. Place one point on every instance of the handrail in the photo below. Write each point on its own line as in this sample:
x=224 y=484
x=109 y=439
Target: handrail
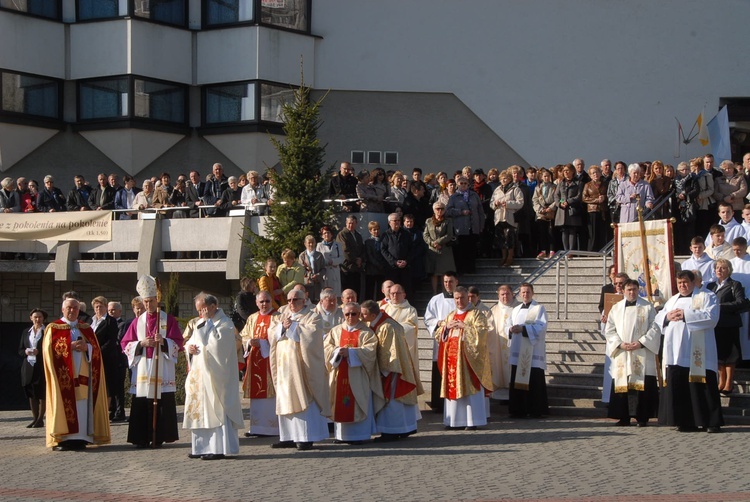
x=564 y=258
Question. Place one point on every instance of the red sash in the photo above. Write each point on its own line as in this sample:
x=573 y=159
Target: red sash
x=62 y=363
x=402 y=387
x=343 y=410
x=256 y=377
x=451 y=351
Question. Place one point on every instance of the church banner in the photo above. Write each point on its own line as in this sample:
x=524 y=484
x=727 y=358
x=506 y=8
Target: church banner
x=629 y=257
x=65 y=226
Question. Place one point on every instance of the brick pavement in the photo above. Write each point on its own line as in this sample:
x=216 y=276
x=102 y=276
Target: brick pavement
x=521 y=460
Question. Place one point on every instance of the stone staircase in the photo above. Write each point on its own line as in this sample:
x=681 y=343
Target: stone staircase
x=575 y=345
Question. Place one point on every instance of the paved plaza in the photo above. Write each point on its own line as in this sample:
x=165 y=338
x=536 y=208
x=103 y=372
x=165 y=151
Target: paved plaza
x=559 y=458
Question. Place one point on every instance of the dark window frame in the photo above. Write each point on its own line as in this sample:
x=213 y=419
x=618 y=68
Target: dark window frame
x=58 y=18
x=243 y=125
x=130 y=120
x=94 y=19
x=256 y=19
x=185 y=22
x=29 y=118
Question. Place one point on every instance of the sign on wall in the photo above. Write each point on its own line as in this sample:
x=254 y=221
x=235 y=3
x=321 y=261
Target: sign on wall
x=67 y=226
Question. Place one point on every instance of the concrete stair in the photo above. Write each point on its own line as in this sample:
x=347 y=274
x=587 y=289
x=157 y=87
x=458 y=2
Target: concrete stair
x=575 y=345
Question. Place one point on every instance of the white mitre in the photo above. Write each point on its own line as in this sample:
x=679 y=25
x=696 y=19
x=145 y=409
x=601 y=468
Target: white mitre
x=146 y=286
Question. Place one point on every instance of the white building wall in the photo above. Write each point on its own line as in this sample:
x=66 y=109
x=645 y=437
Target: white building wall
x=555 y=80
x=99 y=49
x=32 y=45
x=161 y=52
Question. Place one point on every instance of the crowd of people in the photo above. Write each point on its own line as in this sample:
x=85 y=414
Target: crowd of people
x=530 y=212
x=316 y=369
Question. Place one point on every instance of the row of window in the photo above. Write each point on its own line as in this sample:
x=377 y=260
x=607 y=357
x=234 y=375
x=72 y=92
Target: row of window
x=289 y=14
x=126 y=97
x=373 y=157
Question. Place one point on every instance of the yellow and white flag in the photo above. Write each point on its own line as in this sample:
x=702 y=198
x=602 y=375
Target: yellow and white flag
x=701 y=122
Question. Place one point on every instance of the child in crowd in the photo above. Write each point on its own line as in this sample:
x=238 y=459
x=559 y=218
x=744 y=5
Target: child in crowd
x=718 y=246
x=699 y=260
x=745 y=222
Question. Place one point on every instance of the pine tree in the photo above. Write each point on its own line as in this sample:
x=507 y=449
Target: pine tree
x=302 y=183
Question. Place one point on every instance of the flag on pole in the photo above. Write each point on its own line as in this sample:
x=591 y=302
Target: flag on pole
x=677 y=145
x=718 y=132
x=703 y=136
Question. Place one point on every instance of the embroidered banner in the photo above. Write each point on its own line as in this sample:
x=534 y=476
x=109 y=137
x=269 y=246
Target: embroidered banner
x=66 y=226
x=629 y=257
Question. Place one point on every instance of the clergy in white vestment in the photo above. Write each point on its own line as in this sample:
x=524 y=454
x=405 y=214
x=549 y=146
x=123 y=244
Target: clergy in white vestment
x=690 y=398
x=437 y=310
x=401 y=311
x=257 y=385
x=355 y=389
x=633 y=342
x=299 y=375
x=741 y=273
x=213 y=413
x=732 y=228
x=497 y=341
x=699 y=260
x=330 y=314
x=527 y=330
x=464 y=364
x=398 y=371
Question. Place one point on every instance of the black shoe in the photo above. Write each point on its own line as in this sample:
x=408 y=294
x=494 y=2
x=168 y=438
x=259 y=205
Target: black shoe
x=470 y=428
x=283 y=444
x=713 y=430
x=142 y=445
x=642 y=424
x=623 y=422
x=406 y=435
x=212 y=456
x=191 y=455
x=249 y=435
x=31 y=425
x=71 y=445
x=304 y=446
x=118 y=418
x=38 y=424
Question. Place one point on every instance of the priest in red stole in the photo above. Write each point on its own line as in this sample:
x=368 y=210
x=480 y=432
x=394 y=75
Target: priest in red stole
x=258 y=382
x=77 y=404
x=464 y=364
x=355 y=388
x=398 y=418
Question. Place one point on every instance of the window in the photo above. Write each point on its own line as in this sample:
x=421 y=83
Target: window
x=230 y=103
x=220 y=12
x=272 y=97
x=43 y=8
x=290 y=14
x=31 y=95
x=131 y=97
x=159 y=101
x=373 y=157
x=164 y=11
x=357 y=157
x=390 y=158
x=97 y=9
x=103 y=99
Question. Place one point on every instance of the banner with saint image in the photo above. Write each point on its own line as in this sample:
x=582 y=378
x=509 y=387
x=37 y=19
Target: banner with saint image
x=629 y=257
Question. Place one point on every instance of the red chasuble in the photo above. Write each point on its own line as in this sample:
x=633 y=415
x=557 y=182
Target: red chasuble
x=452 y=352
x=258 y=367
x=62 y=363
x=343 y=411
x=402 y=387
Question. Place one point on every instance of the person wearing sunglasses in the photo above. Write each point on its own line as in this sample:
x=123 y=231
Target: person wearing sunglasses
x=356 y=391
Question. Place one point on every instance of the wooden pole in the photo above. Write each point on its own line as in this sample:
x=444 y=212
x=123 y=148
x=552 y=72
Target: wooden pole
x=646 y=269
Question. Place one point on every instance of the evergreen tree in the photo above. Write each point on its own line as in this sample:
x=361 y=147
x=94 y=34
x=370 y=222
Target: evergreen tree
x=302 y=183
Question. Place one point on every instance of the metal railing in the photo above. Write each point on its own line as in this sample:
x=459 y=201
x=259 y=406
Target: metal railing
x=561 y=260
